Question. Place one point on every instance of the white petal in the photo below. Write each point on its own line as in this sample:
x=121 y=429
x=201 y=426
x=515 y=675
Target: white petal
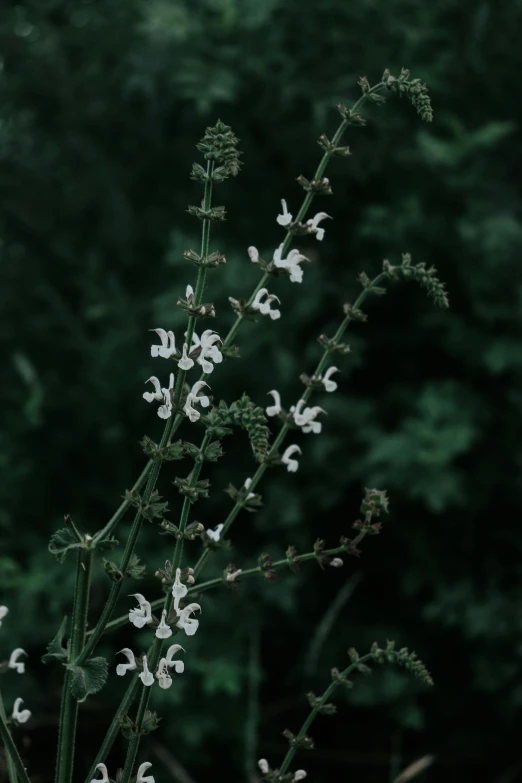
x=253 y=253
x=141 y=771
x=105 y=774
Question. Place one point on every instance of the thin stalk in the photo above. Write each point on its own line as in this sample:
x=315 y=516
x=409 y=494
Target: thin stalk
x=114 y=728
x=15 y=766
x=10 y=764
x=315 y=711
x=113 y=521
x=69 y=708
x=155 y=653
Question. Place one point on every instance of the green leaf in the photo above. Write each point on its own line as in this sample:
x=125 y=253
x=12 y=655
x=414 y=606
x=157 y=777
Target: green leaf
x=62 y=541
x=55 y=650
x=88 y=678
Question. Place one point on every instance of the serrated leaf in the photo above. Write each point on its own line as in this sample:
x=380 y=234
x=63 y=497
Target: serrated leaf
x=108 y=543
x=62 y=541
x=135 y=570
x=55 y=650
x=88 y=678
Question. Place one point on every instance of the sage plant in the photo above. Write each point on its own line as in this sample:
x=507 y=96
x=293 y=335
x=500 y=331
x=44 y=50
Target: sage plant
x=185 y=394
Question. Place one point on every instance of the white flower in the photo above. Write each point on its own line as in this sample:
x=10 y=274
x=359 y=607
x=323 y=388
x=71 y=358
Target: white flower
x=179 y=666
x=246 y=485
x=286 y=218
x=165 y=410
x=185 y=363
x=105 y=775
x=275 y=409
x=263 y=766
x=216 y=533
x=3 y=611
x=141 y=615
x=146 y=676
x=163 y=631
x=291 y=464
x=179 y=590
x=168 y=344
x=264 y=307
x=232 y=576
x=313 y=223
x=189 y=292
x=163 y=675
x=123 y=668
x=253 y=252
x=21 y=716
x=14 y=663
x=336 y=562
x=299 y=775
x=187 y=623
x=330 y=386
x=290 y=263
x=193 y=398
x=305 y=419
x=141 y=771
x=209 y=350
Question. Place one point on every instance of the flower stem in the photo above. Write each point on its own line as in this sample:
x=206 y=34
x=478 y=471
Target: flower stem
x=15 y=767
x=155 y=652
x=114 y=728
x=315 y=711
x=69 y=707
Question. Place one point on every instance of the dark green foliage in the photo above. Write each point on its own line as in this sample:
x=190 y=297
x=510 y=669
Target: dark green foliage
x=101 y=107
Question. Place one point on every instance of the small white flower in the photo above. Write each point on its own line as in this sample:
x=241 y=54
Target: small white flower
x=163 y=675
x=168 y=344
x=290 y=263
x=299 y=775
x=336 y=562
x=185 y=363
x=179 y=666
x=146 y=676
x=286 y=218
x=165 y=410
x=253 y=252
x=264 y=307
x=305 y=419
x=275 y=409
x=232 y=576
x=330 y=386
x=163 y=631
x=141 y=615
x=313 y=223
x=246 y=485
x=21 y=716
x=189 y=292
x=291 y=464
x=209 y=350
x=263 y=766
x=123 y=668
x=187 y=623
x=3 y=611
x=157 y=394
x=192 y=398
x=141 y=771
x=179 y=590
x=215 y=534
x=14 y=663
x=105 y=774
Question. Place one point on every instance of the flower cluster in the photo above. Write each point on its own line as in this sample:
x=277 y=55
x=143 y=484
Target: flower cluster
x=163 y=671
x=18 y=715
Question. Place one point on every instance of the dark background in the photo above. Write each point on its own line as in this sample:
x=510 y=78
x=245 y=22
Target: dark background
x=101 y=104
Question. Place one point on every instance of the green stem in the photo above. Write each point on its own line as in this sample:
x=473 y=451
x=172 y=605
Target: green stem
x=113 y=521
x=155 y=653
x=15 y=766
x=10 y=763
x=315 y=711
x=69 y=708
x=114 y=728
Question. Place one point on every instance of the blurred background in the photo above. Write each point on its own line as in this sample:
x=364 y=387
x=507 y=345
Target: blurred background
x=101 y=105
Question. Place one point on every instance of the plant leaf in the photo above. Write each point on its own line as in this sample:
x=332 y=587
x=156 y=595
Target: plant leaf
x=55 y=649
x=62 y=541
x=88 y=678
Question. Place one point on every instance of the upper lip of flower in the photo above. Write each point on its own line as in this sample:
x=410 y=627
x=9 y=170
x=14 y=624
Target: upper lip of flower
x=168 y=344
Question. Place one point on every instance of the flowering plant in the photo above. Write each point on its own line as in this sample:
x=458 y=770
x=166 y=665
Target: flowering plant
x=191 y=403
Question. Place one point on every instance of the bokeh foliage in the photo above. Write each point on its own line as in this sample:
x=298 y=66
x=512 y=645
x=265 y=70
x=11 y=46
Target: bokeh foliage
x=101 y=104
